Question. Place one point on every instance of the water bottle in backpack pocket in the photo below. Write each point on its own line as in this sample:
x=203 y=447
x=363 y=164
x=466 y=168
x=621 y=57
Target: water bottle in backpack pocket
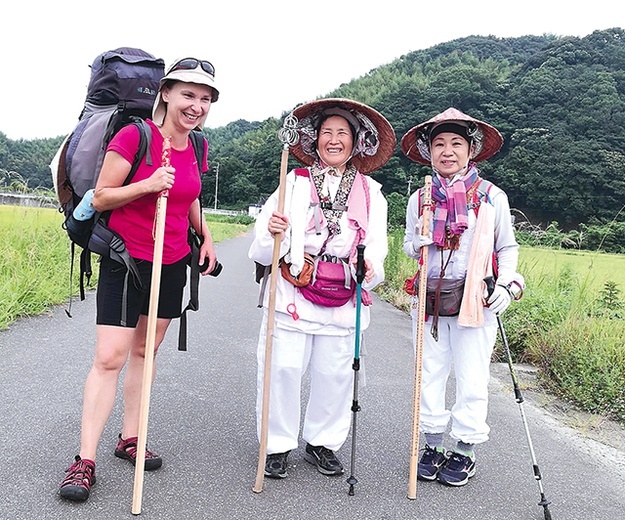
x=80 y=222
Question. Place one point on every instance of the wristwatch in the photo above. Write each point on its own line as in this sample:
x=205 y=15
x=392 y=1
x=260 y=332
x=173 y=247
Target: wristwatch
x=515 y=289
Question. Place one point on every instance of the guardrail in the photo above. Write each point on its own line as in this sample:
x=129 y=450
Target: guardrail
x=35 y=201
x=41 y=201
x=228 y=212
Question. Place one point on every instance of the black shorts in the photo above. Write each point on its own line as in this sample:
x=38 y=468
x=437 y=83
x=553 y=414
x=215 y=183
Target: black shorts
x=111 y=282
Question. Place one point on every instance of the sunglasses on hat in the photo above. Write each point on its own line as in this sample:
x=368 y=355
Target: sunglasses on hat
x=192 y=64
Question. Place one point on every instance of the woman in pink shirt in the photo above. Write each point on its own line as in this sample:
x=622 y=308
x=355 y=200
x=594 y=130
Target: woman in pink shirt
x=182 y=104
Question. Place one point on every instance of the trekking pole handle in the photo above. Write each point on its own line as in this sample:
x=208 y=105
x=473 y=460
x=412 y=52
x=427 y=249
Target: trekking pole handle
x=490 y=285
x=360 y=263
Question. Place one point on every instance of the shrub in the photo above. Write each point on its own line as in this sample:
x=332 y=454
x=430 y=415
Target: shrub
x=396 y=211
x=583 y=360
x=397 y=268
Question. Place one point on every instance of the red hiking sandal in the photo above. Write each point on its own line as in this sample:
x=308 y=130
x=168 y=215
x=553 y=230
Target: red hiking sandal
x=127 y=449
x=80 y=477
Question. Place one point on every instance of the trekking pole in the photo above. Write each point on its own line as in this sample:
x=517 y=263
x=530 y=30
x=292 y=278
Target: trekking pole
x=416 y=406
x=360 y=275
x=490 y=286
x=288 y=136
x=150 y=340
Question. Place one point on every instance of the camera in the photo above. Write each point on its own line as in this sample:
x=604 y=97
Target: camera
x=216 y=270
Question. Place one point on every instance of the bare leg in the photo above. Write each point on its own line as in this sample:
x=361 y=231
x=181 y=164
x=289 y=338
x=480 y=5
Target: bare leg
x=112 y=346
x=134 y=374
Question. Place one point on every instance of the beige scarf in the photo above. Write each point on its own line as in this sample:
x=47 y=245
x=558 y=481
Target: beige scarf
x=480 y=266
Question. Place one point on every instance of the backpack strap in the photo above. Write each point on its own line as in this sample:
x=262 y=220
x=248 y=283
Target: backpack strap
x=199 y=145
x=143 y=150
x=483 y=192
x=86 y=271
x=480 y=194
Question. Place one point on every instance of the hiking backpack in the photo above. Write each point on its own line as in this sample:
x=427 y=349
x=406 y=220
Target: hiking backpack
x=122 y=90
x=124 y=83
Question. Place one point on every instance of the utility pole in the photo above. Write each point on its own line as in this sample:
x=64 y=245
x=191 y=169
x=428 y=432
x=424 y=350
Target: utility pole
x=216 y=167
x=409 y=185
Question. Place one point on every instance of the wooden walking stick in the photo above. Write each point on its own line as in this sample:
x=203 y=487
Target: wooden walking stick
x=416 y=407
x=150 y=340
x=288 y=136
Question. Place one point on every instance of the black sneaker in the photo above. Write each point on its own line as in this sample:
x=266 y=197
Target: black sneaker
x=458 y=470
x=430 y=464
x=324 y=459
x=275 y=466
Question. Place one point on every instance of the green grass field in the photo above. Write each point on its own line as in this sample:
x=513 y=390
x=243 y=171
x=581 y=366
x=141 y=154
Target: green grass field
x=589 y=270
x=592 y=269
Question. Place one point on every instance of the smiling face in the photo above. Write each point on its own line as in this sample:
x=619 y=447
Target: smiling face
x=187 y=104
x=335 y=142
x=450 y=154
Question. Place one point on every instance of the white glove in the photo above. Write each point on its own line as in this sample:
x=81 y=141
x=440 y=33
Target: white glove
x=499 y=300
x=419 y=240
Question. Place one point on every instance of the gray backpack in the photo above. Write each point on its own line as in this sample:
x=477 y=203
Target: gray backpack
x=122 y=89
x=123 y=86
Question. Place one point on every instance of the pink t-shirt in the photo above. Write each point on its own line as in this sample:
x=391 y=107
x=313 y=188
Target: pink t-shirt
x=135 y=221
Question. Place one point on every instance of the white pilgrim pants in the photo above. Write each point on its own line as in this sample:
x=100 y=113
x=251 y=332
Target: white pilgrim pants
x=328 y=414
x=469 y=350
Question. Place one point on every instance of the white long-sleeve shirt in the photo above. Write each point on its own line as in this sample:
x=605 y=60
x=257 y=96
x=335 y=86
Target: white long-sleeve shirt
x=313 y=318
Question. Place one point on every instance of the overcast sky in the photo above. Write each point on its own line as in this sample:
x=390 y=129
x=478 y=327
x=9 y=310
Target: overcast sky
x=269 y=55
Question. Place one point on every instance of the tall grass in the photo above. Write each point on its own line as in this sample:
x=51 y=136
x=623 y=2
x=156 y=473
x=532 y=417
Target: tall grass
x=569 y=322
x=34 y=267
x=35 y=259
x=398 y=267
x=582 y=358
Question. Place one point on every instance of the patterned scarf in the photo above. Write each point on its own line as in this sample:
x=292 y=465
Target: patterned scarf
x=333 y=210
x=450 y=214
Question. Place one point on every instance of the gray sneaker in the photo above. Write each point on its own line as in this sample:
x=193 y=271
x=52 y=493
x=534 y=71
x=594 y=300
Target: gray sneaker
x=276 y=464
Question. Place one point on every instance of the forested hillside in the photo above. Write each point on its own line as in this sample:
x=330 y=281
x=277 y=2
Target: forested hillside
x=559 y=102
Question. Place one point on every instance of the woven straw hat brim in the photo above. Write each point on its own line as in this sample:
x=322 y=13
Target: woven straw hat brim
x=363 y=163
x=492 y=142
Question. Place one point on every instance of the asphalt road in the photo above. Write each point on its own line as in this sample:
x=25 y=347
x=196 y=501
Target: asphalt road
x=202 y=423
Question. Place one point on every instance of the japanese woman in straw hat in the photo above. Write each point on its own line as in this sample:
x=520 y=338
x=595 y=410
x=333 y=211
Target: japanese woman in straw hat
x=471 y=235
x=330 y=207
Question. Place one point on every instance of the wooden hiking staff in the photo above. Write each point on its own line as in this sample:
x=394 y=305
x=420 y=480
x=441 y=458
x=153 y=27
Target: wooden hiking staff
x=288 y=136
x=150 y=340
x=416 y=406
